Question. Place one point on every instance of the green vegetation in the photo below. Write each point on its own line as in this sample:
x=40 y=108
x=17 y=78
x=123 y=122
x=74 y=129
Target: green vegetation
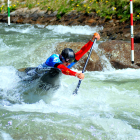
x=120 y=9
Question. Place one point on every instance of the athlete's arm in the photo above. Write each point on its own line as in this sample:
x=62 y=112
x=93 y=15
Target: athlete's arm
x=83 y=50
x=67 y=71
x=86 y=47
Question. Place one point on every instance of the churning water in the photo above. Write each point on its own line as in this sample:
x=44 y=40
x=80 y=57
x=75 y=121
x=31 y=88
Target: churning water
x=107 y=106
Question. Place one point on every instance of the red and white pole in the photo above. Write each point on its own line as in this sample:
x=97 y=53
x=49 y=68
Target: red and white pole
x=132 y=35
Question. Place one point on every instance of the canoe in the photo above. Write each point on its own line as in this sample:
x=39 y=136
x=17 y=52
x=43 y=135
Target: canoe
x=49 y=75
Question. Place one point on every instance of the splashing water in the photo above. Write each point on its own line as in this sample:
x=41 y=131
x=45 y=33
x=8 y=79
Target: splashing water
x=107 y=104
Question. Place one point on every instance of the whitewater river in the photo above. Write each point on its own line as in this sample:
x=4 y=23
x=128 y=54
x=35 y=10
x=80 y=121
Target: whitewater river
x=107 y=106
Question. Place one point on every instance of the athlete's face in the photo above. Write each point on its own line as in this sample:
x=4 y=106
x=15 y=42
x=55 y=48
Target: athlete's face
x=65 y=63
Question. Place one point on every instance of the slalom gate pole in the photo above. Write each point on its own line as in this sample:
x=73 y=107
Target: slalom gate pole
x=8 y=13
x=76 y=90
x=132 y=35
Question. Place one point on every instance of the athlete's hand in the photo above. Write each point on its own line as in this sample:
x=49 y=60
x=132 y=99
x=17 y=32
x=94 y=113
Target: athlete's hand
x=80 y=75
x=96 y=35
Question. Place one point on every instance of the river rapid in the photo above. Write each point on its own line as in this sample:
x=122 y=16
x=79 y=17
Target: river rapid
x=107 y=106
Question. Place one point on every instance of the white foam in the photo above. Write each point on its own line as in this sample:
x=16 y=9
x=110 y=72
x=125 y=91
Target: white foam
x=3 y=46
x=6 y=136
x=116 y=75
x=8 y=77
x=82 y=30
x=30 y=29
x=8 y=85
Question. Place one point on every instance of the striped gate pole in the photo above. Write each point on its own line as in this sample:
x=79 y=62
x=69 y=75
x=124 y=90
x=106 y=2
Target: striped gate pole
x=8 y=14
x=132 y=35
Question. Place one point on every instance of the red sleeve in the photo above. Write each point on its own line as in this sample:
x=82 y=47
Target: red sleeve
x=83 y=50
x=65 y=70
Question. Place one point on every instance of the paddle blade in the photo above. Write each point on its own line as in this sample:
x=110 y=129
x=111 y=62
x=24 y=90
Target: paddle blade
x=22 y=69
x=26 y=69
x=75 y=91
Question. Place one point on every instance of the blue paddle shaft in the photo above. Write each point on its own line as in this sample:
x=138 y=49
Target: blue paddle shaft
x=76 y=90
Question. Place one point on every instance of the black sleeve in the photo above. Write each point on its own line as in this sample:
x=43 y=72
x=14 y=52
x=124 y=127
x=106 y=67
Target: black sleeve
x=57 y=64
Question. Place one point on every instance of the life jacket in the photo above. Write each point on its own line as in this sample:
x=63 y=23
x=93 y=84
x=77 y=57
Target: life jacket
x=53 y=59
